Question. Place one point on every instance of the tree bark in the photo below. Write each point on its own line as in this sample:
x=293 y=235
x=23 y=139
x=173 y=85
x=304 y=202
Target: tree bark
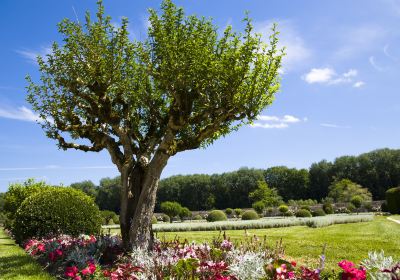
x=138 y=196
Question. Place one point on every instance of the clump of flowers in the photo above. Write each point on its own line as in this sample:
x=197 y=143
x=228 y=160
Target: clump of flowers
x=350 y=272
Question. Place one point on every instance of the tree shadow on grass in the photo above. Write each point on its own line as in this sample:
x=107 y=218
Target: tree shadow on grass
x=19 y=266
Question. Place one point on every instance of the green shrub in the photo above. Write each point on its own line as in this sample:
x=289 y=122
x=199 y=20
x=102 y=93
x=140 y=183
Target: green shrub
x=283 y=208
x=172 y=209
x=351 y=208
x=318 y=213
x=229 y=211
x=270 y=210
x=258 y=206
x=2 y=218
x=198 y=217
x=107 y=216
x=368 y=205
x=165 y=218
x=116 y=219
x=328 y=208
x=238 y=211
x=306 y=207
x=111 y=222
x=154 y=220
x=393 y=200
x=56 y=211
x=303 y=213
x=185 y=213
x=288 y=214
x=356 y=201
x=216 y=215
x=250 y=215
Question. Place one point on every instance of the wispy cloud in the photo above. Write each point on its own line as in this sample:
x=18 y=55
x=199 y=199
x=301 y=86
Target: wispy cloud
x=358 y=84
x=331 y=125
x=329 y=76
x=22 y=114
x=31 y=55
x=52 y=167
x=297 y=52
x=265 y=121
x=373 y=63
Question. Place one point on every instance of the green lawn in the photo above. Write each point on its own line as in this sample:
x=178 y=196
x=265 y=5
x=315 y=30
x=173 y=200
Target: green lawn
x=395 y=217
x=304 y=244
x=15 y=264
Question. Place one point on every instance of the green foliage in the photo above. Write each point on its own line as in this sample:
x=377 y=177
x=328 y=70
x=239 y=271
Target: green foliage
x=393 y=200
x=328 y=208
x=250 y=215
x=238 y=211
x=108 y=216
x=269 y=197
x=2 y=195
x=357 y=201
x=172 y=209
x=384 y=207
x=303 y=213
x=351 y=208
x=56 y=211
x=229 y=211
x=153 y=220
x=198 y=217
x=318 y=212
x=87 y=187
x=185 y=213
x=306 y=207
x=166 y=218
x=344 y=190
x=259 y=206
x=283 y=208
x=301 y=202
x=18 y=192
x=108 y=194
x=216 y=215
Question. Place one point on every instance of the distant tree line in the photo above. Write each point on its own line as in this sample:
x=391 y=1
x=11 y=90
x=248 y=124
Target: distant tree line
x=376 y=171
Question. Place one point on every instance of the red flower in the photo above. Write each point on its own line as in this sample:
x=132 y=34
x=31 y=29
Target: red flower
x=293 y=263
x=71 y=272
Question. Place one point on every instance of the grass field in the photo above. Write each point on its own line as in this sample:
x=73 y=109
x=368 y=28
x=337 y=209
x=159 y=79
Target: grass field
x=15 y=264
x=304 y=244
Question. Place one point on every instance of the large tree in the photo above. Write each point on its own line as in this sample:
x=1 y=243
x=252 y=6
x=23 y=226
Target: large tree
x=181 y=88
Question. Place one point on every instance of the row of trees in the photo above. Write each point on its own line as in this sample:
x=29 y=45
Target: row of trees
x=375 y=171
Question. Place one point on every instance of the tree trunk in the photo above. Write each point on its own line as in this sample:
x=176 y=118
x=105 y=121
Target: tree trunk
x=138 y=196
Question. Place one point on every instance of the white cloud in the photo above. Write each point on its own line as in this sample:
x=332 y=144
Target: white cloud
x=265 y=121
x=297 y=53
x=32 y=55
x=374 y=64
x=329 y=76
x=358 y=84
x=22 y=114
x=331 y=125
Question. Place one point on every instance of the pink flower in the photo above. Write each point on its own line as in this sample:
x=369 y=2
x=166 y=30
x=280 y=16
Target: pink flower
x=71 y=272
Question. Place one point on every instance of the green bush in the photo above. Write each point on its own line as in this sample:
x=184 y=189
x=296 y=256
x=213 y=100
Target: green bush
x=198 y=217
x=185 y=213
x=393 y=200
x=288 y=214
x=154 y=220
x=283 y=208
x=229 y=211
x=270 y=210
x=328 y=208
x=306 y=207
x=171 y=208
x=116 y=219
x=216 y=215
x=303 y=213
x=56 y=211
x=250 y=215
x=351 y=208
x=165 y=218
x=2 y=218
x=318 y=213
x=111 y=222
x=238 y=211
x=356 y=201
x=258 y=206
x=108 y=216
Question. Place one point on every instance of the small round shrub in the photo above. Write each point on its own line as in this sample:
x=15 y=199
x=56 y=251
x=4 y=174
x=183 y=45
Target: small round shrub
x=107 y=216
x=305 y=207
x=238 y=211
x=318 y=212
x=283 y=208
x=288 y=214
x=351 y=208
x=56 y=211
x=328 y=208
x=270 y=210
x=393 y=200
x=111 y=222
x=171 y=208
x=198 y=217
x=165 y=218
x=154 y=220
x=229 y=211
x=368 y=206
x=356 y=201
x=185 y=213
x=216 y=215
x=303 y=213
x=250 y=215
x=258 y=206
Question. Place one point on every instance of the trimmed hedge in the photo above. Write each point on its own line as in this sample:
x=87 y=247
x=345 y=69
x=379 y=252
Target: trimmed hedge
x=318 y=213
x=56 y=211
x=250 y=215
x=216 y=215
x=303 y=213
x=393 y=200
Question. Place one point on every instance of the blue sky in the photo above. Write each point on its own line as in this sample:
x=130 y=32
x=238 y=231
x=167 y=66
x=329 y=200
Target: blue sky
x=339 y=90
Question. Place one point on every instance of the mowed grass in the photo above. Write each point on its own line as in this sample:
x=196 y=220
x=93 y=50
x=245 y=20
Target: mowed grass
x=304 y=244
x=15 y=264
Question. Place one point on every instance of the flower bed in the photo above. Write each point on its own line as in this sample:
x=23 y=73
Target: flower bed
x=89 y=257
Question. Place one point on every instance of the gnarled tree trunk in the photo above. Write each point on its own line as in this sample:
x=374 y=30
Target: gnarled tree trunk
x=138 y=197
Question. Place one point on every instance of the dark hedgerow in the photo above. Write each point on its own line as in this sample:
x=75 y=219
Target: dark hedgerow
x=57 y=211
x=393 y=200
